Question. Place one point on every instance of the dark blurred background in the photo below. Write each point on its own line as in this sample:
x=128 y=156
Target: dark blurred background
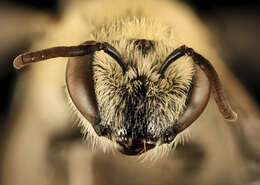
x=235 y=23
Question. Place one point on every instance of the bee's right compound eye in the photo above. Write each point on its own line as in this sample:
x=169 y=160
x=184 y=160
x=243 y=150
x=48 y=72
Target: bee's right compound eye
x=80 y=85
x=79 y=77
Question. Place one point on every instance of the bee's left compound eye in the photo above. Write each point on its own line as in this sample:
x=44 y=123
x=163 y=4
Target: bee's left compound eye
x=197 y=99
x=199 y=94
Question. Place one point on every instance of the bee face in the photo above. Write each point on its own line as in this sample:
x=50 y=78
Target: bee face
x=138 y=108
x=133 y=88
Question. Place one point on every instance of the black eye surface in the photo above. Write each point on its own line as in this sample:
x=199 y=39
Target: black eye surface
x=197 y=99
x=196 y=102
x=80 y=85
x=200 y=92
x=79 y=79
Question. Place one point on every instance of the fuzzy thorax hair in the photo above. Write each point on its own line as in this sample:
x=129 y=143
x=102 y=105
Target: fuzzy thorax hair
x=139 y=99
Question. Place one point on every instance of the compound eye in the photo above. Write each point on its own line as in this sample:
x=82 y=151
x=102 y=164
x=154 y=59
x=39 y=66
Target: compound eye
x=79 y=74
x=199 y=94
x=80 y=84
x=197 y=99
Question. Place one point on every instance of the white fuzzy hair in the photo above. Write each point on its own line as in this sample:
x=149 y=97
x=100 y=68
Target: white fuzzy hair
x=168 y=23
x=124 y=27
x=105 y=145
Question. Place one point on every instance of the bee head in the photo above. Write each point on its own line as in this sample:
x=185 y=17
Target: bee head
x=140 y=104
x=136 y=94
x=136 y=88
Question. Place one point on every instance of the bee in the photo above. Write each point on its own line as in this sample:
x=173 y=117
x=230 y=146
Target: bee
x=134 y=85
x=138 y=76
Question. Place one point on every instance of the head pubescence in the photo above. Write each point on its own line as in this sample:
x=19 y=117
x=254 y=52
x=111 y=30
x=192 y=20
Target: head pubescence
x=135 y=87
x=138 y=107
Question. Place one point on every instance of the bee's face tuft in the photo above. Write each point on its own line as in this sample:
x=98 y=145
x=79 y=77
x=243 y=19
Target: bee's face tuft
x=138 y=109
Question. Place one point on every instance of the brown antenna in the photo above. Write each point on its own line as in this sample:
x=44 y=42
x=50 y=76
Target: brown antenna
x=63 y=51
x=86 y=48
